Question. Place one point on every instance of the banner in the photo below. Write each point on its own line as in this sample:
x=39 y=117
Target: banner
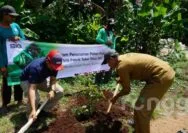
x=77 y=59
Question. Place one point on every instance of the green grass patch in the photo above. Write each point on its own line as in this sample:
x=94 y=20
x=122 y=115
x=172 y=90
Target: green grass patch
x=84 y=84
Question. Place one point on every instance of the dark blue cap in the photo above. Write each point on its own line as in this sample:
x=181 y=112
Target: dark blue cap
x=107 y=55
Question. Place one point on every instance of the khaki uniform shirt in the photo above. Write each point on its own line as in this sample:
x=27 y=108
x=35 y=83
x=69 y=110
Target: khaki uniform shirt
x=137 y=66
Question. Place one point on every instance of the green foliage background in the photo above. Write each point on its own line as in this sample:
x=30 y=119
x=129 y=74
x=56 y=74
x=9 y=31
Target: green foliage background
x=139 y=26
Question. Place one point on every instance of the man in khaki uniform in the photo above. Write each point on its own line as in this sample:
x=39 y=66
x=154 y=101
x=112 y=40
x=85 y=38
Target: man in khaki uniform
x=157 y=74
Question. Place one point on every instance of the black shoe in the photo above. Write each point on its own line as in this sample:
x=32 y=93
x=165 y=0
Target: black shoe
x=3 y=110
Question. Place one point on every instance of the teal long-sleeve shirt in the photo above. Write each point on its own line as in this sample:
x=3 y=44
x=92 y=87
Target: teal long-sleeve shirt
x=6 y=33
x=102 y=38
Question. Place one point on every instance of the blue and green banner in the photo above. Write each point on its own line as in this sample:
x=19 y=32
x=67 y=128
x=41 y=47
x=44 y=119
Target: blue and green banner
x=77 y=59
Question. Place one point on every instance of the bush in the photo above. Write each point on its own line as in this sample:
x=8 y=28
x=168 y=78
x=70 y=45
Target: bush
x=142 y=26
x=92 y=94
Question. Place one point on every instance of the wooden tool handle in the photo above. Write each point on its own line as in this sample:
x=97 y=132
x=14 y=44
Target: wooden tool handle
x=30 y=121
x=115 y=92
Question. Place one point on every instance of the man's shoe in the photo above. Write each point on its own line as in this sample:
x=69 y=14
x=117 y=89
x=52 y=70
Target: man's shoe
x=183 y=131
x=3 y=110
x=21 y=102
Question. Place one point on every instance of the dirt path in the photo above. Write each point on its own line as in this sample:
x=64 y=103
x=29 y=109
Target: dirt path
x=170 y=124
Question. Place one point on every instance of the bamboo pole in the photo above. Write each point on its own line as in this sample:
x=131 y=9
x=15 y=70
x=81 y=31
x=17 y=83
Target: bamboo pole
x=30 y=121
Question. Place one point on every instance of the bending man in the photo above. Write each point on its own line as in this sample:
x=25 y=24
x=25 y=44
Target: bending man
x=157 y=74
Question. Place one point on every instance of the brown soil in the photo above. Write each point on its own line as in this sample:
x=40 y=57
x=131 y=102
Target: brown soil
x=185 y=93
x=99 y=122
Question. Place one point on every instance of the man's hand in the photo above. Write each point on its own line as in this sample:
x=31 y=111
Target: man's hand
x=109 y=43
x=4 y=71
x=33 y=115
x=51 y=94
x=114 y=99
x=118 y=80
x=14 y=39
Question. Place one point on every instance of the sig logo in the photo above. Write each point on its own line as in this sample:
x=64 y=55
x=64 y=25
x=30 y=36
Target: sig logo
x=15 y=45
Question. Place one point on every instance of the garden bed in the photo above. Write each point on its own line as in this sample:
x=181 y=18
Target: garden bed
x=97 y=122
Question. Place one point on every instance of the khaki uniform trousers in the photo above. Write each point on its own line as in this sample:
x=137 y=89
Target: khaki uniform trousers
x=44 y=86
x=150 y=95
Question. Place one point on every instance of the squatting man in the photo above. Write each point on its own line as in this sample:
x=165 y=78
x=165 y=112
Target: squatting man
x=35 y=76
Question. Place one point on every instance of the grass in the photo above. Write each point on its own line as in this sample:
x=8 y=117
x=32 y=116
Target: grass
x=9 y=121
x=16 y=117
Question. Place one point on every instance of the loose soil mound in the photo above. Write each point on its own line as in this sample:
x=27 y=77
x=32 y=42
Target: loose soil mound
x=66 y=123
x=99 y=122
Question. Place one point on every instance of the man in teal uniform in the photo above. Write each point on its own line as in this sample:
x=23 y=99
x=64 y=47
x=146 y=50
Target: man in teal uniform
x=11 y=31
x=106 y=37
